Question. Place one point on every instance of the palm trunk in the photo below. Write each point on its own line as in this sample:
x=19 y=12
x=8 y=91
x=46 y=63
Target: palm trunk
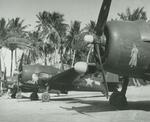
x=0 y=59
x=28 y=58
x=16 y=59
x=73 y=60
x=11 y=63
x=70 y=54
x=45 y=55
x=61 y=58
x=55 y=55
x=1 y=88
x=45 y=59
x=1 y=83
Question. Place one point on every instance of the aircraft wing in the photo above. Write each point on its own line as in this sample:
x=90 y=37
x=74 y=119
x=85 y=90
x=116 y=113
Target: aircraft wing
x=65 y=77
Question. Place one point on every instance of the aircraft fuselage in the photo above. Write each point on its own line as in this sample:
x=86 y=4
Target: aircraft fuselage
x=122 y=39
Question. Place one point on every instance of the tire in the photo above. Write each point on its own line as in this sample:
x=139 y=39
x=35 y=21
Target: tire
x=45 y=97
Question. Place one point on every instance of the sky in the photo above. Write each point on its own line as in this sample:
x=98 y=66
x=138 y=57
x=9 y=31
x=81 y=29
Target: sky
x=82 y=10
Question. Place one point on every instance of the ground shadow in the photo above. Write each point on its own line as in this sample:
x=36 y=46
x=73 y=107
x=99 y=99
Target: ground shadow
x=72 y=99
x=59 y=98
x=90 y=106
x=104 y=106
x=139 y=105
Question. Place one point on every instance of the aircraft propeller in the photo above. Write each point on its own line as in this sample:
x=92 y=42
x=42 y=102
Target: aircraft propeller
x=102 y=18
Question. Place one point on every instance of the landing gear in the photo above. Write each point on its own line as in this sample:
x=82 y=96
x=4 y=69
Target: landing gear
x=34 y=96
x=118 y=98
x=13 y=95
x=14 y=91
x=16 y=94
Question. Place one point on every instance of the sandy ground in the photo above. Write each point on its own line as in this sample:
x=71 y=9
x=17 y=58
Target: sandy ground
x=77 y=107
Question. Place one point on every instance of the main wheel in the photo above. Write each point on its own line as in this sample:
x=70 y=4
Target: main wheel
x=118 y=100
x=45 y=97
x=34 y=96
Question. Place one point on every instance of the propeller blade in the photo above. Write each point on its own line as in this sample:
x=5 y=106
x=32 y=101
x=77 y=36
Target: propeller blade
x=102 y=18
x=102 y=69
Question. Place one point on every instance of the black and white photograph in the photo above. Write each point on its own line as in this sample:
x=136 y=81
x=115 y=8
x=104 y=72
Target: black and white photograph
x=74 y=60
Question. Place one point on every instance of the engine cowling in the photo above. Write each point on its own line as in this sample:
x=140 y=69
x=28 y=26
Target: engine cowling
x=121 y=36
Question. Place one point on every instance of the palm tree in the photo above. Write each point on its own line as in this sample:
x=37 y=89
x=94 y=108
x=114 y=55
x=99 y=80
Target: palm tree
x=32 y=54
x=40 y=48
x=47 y=48
x=3 y=33
x=15 y=37
x=137 y=14
x=53 y=28
x=73 y=39
x=90 y=27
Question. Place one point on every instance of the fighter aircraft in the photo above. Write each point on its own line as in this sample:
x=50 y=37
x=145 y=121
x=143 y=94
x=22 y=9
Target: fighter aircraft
x=120 y=47
x=38 y=78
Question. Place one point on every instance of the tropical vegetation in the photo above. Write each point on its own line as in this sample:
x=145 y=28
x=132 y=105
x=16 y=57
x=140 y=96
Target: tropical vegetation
x=52 y=41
